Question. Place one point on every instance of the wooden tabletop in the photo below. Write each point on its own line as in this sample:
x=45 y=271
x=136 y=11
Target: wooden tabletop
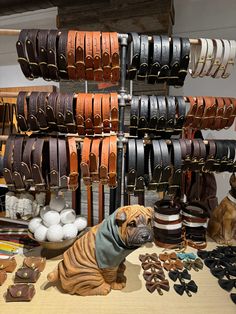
x=134 y=298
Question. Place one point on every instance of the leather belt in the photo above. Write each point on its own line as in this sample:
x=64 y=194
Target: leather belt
x=177 y=164
x=37 y=165
x=69 y=113
x=89 y=74
x=60 y=107
x=88 y=114
x=106 y=56
x=153 y=114
x=181 y=112
x=166 y=207
x=63 y=163
x=184 y=61
x=97 y=113
x=166 y=169
x=219 y=113
x=143 y=115
x=231 y=60
x=144 y=51
x=106 y=112
x=225 y=57
x=80 y=55
x=73 y=174
x=22 y=111
x=210 y=156
x=135 y=55
x=94 y=159
x=31 y=47
x=85 y=162
x=104 y=165
x=208 y=60
x=134 y=115
x=71 y=42
x=80 y=103
x=21 y=52
x=52 y=55
x=51 y=111
x=114 y=112
x=198 y=58
x=217 y=57
x=171 y=112
x=155 y=162
x=154 y=59
x=42 y=53
x=208 y=117
x=139 y=186
x=131 y=165
x=162 y=109
x=191 y=113
x=200 y=111
x=41 y=114
x=98 y=72
x=53 y=160
x=62 y=54
x=165 y=59
x=228 y=110
x=112 y=174
x=115 y=58
x=7 y=163
x=175 y=60
x=17 y=157
x=33 y=109
x=26 y=164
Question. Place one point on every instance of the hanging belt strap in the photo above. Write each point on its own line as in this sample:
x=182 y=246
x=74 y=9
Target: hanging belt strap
x=52 y=55
x=71 y=44
x=62 y=54
x=177 y=164
x=69 y=113
x=17 y=158
x=104 y=166
x=106 y=112
x=134 y=115
x=115 y=57
x=89 y=74
x=51 y=110
x=33 y=110
x=139 y=187
x=53 y=161
x=112 y=174
x=88 y=110
x=42 y=52
x=144 y=54
x=98 y=72
x=63 y=164
x=73 y=175
x=181 y=112
x=26 y=163
x=21 y=52
x=154 y=59
x=97 y=113
x=106 y=56
x=131 y=166
x=37 y=166
x=31 y=47
x=85 y=162
x=7 y=163
x=80 y=100
x=156 y=167
x=94 y=159
x=22 y=111
x=41 y=114
x=80 y=55
x=114 y=111
x=166 y=169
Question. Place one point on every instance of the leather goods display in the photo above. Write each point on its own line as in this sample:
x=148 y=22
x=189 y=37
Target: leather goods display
x=42 y=163
x=8 y=265
x=65 y=113
x=74 y=55
x=35 y=262
x=3 y=277
x=20 y=292
x=26 y=275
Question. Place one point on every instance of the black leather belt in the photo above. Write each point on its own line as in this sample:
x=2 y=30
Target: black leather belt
x=53 y=161
x=165 y=59
x=153 y=114
x=220 y=153
x=21 y=52
x=37 y=165
x=175 y=60
x=7 y=163
x=131 y=165
x=33 y=109
x=156 y=167
x=63 y=161
x=177 y=164
x=134 y=115
x=143 y=115
x=135 y=57
x=231 y=156
x=181 y=112
x=22 y=111
x=166 y=169
x=61 y=113
x=51 y=110
x=166 y=207
x=52 y=55
x=139 y=187
x=41 y=114
x=162 y=112
x=209 y=163
x=195 y=155
x=154 y=59
x=143 y=68
x=62 y=54
x=17 y=157
x=171 y=111
x=184 y=62
x=69 y=114
x=31 y=47
x=42 y=52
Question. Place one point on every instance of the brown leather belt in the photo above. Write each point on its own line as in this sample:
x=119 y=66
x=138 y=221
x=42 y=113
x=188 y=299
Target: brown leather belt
x=41 y=114
x=17 y=157
x=26 y=164
x=73 y=175
x=52 y=55
x=69 y=113
x=51 y=111
x=88 y=106
x=228 y=117
x=7 y=163
x=38 y=166
x=199 y=112
x=98 y=72
x=94 y=159
x=42 y=53
x=114 y=112
x=80 y=100
x=53 y=161
x=33 y=109
x=63 y=163
x=115 y=57
x=191 y=113
x=31 y=47
x=71 y=44
x=106 y=56
x=89 y=63
x=112 y=162
x=106 y=112
x=60 y=109
x=97 y=113
x=62 y=54
x=104 y=166
x=22 y=111
x=80 y=55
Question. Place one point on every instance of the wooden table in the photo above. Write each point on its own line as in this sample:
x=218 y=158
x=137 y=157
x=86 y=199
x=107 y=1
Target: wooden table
x=133 y=299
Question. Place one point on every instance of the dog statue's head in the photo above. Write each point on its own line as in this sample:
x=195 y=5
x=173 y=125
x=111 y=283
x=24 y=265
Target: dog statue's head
x=135 y=224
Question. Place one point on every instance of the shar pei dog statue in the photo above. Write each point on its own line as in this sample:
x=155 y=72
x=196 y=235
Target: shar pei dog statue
x=94 y=264
x=222 y=224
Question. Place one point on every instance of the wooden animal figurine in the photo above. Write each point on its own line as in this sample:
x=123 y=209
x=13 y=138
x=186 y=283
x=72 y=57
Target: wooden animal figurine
x=95 y=263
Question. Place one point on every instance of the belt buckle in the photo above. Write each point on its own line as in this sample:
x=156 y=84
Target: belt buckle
x=87 y=181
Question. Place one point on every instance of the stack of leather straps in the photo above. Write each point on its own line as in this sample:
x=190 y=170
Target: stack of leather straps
x=66 y=113
x=158 y=60
x=158 y=165
x=213 y=58
x=98 y=166
x=42 y=163
x=73 y=55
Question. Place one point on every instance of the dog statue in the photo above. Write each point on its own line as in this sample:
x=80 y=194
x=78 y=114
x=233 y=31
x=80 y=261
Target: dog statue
x=222 y=224
x=95 y=263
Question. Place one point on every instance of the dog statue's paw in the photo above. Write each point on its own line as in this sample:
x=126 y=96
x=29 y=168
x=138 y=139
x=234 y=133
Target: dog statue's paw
x=104 y=289
x=121 y=278
x=118 y=285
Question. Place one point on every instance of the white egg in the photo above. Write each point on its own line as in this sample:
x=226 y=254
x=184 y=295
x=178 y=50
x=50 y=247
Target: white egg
x=57 y=203
x=80 y=223
x=55 y=233
x=41 y=233
x=44 y=210
x=68 y=216
x=34 y=224
x=51 y=218
x=69 y=231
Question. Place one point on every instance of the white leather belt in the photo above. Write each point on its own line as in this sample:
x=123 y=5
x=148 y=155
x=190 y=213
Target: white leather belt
x=195 y=224
x=168 y=227
x=231 y=60
x=209 y=58
x=225 y=58
x=217 y=57
x=198 y=57
x=167 y=217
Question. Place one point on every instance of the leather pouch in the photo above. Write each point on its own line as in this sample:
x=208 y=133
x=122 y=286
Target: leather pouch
x=3 y=277
x=26 y=275
x=35 y=262
x=20 y=292
x=9 y=265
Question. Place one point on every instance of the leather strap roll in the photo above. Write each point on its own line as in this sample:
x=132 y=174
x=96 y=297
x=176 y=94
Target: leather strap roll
x=62 y=54
x=51 y=111
x=7 y=163
x=106 y=56
x=73 y=174
x=166 y=207
x=154 y=59
x=60 y=105
x=97 y=113
x=21 y=52
x=63 y=164
x=26 y=164
x=41 y=113
x=104 y=165
x=114 y=111
x=180 y=111
x=33 y=110
x=112 y=174
x=17 y=158
x=134 y=57
x=131 y=165
x=199 y=115
x=139 y=187
x=42 y=53
x=175 y=57
x=115 y=57
x=224 y=60
x=89 y=62
x=85 y=162
x=94 y=159
x=217 y=57
x=177 y=165
x=88 y=114
x=165 y=59
x=98 y=72
x=134 y=115
x=54 y=165
x=171 y=112
x=31 y=47
x=80 y=55
x=156 y=166
x=191 y=112
x=69 y=113
x=184 y=61
x=143 y=115
x=167 y=222
x=106 y=112
x=166 y=169
x=22 y=111
x=144 y=54
x=153 y=114
x=165 y=240
x=39 y=157
x=80 y=115
x=71 y=44
x=198 y=58
x=230 y=63
x=209 y=58
x=162 y=108
x=52 y=55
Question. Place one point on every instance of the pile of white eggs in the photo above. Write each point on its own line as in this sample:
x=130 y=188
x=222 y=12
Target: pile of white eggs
x=56 y=222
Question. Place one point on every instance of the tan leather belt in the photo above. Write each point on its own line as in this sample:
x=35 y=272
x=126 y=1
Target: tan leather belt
x=227 y=117
x=94 y=159
x=98 y=72
x=106 y=112
x=88 y=106
x=106 y=56
x=85 y=162
x=71 y=68
x=80 y=55
x=114 y=112
x=112 y=162
x=80 y=113
x=115 y=58
x=73 y=175
x=192 y=112
x=104 y=166
x=89 y=56
x=208 y=116
x=199 y=112
x=97 y=113
x=219 y=113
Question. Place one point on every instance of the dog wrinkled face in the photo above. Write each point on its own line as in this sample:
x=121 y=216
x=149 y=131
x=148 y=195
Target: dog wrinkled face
x=135 y=224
